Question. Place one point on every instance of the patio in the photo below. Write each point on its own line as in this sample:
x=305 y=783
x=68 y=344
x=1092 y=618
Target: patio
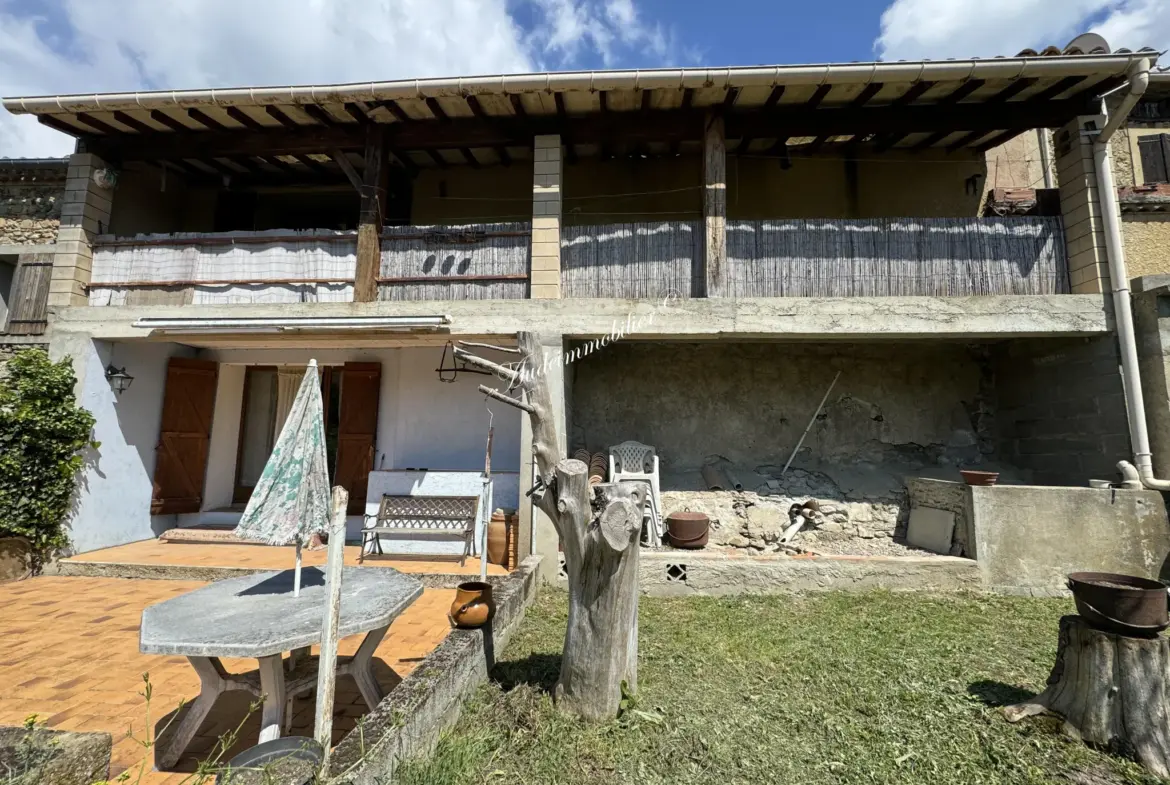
x=73 y=660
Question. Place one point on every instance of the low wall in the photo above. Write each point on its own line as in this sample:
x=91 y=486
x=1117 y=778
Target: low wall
x=1028 y=538
x=408 y=721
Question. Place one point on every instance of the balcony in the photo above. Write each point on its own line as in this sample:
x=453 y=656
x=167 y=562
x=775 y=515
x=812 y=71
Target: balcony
x=472 y=262
x=938 y=257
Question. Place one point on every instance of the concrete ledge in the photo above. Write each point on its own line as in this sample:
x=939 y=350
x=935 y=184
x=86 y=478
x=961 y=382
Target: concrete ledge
x=839 y=318
x=408 y=721
x=715 y=573
x=186 y=572
x=54 y=757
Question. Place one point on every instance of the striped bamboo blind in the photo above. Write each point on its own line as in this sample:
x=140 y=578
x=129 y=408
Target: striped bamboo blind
x=476 y=262
x=640 y=260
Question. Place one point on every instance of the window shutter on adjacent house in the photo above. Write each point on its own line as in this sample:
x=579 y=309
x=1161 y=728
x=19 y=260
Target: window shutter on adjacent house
x=357 y=430
x=29 y=295
x=1155 y=157
x=180 y=465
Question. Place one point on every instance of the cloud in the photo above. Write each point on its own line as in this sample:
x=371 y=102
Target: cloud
x=79 y=46
x=938 y=29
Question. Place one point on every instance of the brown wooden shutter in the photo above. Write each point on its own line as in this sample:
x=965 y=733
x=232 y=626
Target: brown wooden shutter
x=181 y=456
x=30 y=294
x=1155 y=155
x=356 y=431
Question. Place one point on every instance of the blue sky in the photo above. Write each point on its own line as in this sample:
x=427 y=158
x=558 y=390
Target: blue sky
x=74 y=46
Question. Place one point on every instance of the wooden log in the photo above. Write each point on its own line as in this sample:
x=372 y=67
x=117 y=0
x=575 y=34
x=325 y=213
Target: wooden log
x=715 y=207
x=1111 y=690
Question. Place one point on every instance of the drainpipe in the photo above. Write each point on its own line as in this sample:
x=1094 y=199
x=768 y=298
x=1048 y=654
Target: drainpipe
x=1139 y=78
x=1045 y=156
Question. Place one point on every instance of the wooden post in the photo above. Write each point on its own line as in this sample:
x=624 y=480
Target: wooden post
x=327 y=662
x=715 y=206
x=369 y=242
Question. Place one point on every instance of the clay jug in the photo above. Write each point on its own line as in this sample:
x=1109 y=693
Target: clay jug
x=497 y=539
x=473 y=606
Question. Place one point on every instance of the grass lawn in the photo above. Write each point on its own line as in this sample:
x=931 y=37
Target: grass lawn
x=828 y=688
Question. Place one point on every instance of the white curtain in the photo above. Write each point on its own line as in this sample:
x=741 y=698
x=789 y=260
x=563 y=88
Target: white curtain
x=288 y=381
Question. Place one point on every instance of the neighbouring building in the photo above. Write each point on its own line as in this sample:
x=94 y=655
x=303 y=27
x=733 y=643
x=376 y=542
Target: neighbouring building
x=759 y=236
x=31 y=192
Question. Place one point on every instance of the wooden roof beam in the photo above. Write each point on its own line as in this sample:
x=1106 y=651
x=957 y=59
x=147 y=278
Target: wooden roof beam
x=162 y=118
x=818 y=96
x=439 y=160
x=136 y=125
x=244 y=119
x=774 y=97
x=436 y=109
x=282 y=118
x=355 y=111
x=205 y=121
x=319 y=114
x=95 y=124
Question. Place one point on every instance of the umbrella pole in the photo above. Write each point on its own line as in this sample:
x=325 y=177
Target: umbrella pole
x=297 y=572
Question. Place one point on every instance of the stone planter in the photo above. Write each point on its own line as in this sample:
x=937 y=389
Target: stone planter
x=15 y=559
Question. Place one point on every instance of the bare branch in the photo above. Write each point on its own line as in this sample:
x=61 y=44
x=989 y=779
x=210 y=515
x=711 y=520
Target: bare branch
x=492 y=346
x=507 y=374
x=492 y=392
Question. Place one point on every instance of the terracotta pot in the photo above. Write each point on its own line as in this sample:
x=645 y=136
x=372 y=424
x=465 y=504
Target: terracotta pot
x=473 y=606
x=687 y=529
x=15 y=559
x=497 y=539
x=972 y=477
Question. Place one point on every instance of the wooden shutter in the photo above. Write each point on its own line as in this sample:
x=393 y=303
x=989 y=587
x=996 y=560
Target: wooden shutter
x=356 y=430
x=30 y=294
x=1155 y=155
x=181 y=456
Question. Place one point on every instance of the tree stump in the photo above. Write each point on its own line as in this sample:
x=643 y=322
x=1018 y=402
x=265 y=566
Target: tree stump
x=1111 y=691
x=598 y=528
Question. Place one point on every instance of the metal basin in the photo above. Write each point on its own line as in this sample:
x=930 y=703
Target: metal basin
x=1121 y=604
x=293 y=760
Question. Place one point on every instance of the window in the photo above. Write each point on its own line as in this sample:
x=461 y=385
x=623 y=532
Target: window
x=1154 y=151
x=7 y=273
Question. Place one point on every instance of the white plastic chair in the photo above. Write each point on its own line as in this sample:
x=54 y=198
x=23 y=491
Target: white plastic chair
x=638 y=462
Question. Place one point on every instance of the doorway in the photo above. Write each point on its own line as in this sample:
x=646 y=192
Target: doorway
x=268 y=395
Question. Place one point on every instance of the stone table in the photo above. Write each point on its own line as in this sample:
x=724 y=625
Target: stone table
x=256 y=616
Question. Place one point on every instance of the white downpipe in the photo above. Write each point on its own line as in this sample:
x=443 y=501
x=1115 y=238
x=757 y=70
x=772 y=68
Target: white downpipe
x=1119 y=279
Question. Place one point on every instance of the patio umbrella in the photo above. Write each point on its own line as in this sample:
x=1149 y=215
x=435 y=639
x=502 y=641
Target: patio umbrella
x=291 y=499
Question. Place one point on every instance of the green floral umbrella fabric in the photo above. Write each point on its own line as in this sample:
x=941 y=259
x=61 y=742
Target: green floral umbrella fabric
x=291 y=499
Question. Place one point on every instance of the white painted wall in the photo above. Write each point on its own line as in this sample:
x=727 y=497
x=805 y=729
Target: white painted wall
x=113 y=499
x=422 y=422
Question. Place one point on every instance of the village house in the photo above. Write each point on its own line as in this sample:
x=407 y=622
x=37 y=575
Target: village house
x=820 y=257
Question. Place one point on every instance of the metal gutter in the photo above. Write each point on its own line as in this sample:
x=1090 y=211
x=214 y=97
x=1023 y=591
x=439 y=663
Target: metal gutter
x=1103 y=65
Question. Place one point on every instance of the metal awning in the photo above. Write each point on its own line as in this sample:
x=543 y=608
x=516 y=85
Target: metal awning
x=946 y=105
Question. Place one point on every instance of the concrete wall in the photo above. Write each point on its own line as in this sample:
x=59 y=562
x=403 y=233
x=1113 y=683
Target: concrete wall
x=1147 y=243
x=750 y=402
x=1029 y=538
x=1060 y=408
x=112 y=506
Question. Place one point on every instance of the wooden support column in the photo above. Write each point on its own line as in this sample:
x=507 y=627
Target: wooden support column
x=715 y=206
x=369 y=242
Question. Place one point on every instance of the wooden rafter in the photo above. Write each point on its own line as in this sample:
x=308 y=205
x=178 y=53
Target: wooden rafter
x=439 y=160
x=204 y=120
x=58 y=125
x=244 y=119
x=355 y=111
x=469 y=157
x=95 y=124
x=774 y=97
x=502 y=154
x=475 y=107
x=730 y=97
x=162 y=118
x=136 y=125
x=319 y=114
x=869 y=92
x=396 y=111
x=517 y=105
x=436 y=109
x=280 y=117
x=343 y=163
x=818 y=96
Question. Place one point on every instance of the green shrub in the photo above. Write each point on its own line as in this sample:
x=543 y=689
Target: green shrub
x=42 y=434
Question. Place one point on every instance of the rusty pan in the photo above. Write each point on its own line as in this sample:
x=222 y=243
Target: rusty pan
x=1121 y=604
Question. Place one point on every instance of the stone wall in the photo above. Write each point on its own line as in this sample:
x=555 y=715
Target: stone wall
x=1060 y=408
x=30 y=204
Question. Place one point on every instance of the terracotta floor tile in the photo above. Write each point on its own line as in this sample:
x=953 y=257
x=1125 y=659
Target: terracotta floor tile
x=79 y=682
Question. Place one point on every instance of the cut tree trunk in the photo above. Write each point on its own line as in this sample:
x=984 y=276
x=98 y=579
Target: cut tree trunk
x=1111 y=691
x=598 y=528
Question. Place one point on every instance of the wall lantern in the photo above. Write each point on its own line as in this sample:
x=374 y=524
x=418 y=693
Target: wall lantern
x=118 y=378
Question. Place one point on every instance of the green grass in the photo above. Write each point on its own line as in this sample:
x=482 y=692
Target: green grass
x=831 y=688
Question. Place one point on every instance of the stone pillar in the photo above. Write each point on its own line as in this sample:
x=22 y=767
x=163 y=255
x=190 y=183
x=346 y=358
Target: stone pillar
x=85 y=213
x=534 y=524
x=1088 y=265
x=546 y=217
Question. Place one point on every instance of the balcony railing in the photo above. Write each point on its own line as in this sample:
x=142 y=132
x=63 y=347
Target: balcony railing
x=821 y=258
x=486 y=261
